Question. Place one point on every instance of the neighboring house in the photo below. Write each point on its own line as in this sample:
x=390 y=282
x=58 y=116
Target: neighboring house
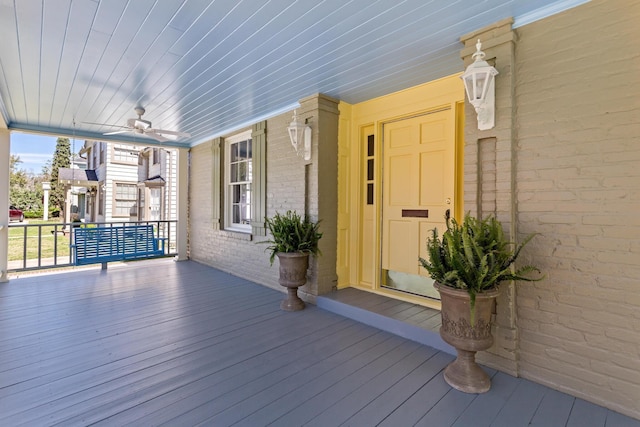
x=133 y=183
x=79 y=182
x=562 y=161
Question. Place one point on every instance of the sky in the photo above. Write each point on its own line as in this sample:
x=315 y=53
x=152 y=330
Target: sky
x=34 y=150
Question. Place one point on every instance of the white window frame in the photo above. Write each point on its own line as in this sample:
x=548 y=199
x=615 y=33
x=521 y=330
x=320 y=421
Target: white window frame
x=116 y=199
x=124 y=155
x=228 y=196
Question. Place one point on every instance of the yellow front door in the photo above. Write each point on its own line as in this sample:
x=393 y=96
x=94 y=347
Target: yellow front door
x=418 y=193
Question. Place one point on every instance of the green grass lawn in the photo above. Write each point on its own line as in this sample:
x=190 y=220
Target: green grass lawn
x=48 y=242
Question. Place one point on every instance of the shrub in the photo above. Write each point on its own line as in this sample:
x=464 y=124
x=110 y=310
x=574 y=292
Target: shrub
x=292 y=233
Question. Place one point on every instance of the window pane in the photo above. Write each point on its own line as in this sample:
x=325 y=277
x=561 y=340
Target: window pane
x=233 y=173
x=370 y=170
x=249 y=150
x=236 y=193
x=233 y=148
x=242 y=172
x=246 y=196
x=236 y=214
x=246 y=214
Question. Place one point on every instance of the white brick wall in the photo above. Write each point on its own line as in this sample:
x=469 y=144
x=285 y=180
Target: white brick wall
x=231 y=252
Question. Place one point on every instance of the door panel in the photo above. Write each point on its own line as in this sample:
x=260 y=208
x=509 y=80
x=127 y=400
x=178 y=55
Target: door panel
x=154 y=204
x=402 y=238
x=402 y=183
x=418 y=189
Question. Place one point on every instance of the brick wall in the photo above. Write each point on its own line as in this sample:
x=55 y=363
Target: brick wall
x=578 y=185
x=291 y=185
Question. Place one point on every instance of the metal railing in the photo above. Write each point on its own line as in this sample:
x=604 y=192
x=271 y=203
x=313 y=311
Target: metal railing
x=48 y=245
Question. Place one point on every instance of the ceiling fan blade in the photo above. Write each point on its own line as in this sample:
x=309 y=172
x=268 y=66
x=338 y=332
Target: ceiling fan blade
x=118 y=132
x=157 y=136
x=103 y=124
x=169 y=132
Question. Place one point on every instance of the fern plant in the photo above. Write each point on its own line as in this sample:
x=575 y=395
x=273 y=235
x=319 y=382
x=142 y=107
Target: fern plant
x=292 y=232
x=474 y=256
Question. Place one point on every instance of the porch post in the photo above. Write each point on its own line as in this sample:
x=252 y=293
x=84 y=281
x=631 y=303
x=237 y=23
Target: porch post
x=321 y=190
x=4 y=201
x=489 y=169
x=67 y=205
x=46 y=187
x=183 y=199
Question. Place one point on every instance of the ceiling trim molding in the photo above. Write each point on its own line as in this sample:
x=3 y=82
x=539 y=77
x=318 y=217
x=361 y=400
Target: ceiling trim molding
x=247 y=123
x=545 y=12
x=83 y=135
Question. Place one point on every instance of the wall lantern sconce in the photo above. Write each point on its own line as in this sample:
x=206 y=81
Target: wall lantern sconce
x=300 y=134
x=479 y=83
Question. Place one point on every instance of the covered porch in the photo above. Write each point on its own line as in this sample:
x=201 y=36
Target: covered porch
x=181 y=343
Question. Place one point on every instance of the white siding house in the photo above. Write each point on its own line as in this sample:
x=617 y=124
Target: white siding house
x=135 y=183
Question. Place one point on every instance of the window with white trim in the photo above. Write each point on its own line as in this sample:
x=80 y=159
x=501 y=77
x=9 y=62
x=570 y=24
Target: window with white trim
x=252 y=199
x=125 y=155
x=124 y=202
x=238 y=182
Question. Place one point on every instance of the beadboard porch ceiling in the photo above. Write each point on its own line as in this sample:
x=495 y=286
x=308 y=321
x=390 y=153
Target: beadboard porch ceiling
x=208 y=67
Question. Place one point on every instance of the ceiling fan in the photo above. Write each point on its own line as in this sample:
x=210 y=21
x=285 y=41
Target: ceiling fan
x=143 y=127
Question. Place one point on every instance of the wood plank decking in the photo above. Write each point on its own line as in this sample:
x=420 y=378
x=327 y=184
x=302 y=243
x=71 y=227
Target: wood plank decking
x=160 y=342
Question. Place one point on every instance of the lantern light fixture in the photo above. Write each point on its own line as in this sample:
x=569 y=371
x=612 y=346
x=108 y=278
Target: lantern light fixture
x=300 y=134
x=479 y=83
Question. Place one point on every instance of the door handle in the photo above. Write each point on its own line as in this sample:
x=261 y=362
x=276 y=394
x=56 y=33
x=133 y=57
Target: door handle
x=447 y=214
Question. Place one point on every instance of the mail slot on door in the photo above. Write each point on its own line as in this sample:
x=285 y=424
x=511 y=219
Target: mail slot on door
x=415 y=213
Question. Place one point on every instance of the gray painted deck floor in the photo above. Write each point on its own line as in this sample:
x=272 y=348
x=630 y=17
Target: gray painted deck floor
x=184 y=344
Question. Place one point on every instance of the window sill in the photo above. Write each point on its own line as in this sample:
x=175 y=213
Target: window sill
x=236 y=234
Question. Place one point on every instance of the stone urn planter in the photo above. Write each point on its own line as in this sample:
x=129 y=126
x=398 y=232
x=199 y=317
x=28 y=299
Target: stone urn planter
x=464 y=374
x=293 y=238
x=293 y=273
x=468 y=264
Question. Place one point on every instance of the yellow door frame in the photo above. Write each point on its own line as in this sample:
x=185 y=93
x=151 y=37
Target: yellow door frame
x=369 y=116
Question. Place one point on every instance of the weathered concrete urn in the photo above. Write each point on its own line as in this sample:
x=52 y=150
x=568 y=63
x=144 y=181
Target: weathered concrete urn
x=464 y=374
x=468 y=264
x=293 y=274
x=293 y=238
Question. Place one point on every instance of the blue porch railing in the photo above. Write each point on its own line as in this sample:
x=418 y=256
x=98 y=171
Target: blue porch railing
x=48 y=245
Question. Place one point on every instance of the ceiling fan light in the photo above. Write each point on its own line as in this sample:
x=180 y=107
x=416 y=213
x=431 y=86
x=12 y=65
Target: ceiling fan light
x=142 y=124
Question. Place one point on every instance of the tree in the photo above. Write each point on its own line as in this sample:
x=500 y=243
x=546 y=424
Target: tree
x=61 y=159
x=17 y=177
x=25 y=188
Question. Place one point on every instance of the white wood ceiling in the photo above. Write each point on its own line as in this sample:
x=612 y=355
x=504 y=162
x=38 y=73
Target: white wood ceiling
x=206 y=67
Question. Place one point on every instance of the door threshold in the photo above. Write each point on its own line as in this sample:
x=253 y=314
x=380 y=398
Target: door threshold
x=412 y=321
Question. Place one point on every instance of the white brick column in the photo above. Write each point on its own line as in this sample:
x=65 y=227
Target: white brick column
x=4 y=202
x=183 y=201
